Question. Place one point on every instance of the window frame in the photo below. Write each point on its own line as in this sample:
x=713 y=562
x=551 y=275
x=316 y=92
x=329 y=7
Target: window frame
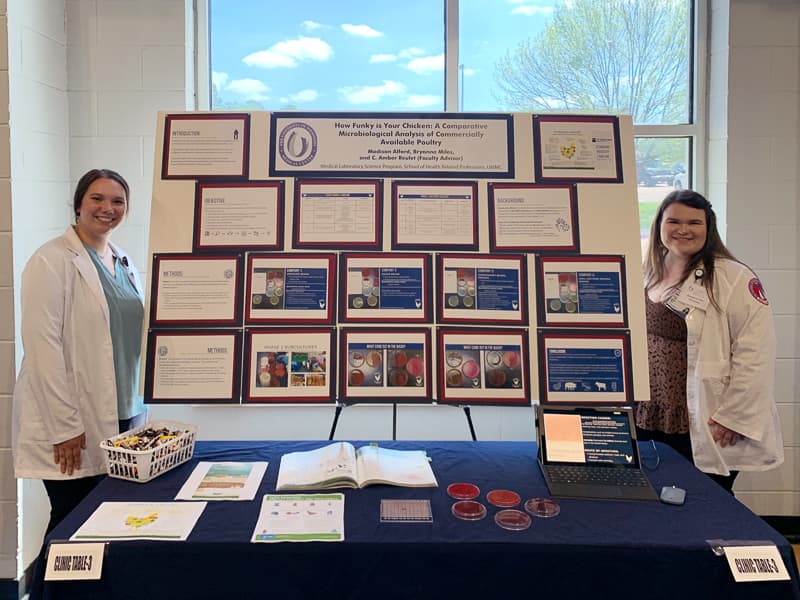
x=198 y=71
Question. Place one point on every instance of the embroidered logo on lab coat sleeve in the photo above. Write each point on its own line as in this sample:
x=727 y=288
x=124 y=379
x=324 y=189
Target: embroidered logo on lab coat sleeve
x=757 y=291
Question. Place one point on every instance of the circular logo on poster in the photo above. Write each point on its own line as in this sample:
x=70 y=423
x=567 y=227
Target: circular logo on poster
x=297 y=144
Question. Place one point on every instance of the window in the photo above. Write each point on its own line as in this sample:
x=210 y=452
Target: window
x=605 y=56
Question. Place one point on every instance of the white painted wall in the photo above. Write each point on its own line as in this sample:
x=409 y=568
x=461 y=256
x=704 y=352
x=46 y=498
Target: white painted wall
x=125 y=61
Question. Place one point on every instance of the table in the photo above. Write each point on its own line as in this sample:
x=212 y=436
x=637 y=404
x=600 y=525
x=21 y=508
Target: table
x=593 y=549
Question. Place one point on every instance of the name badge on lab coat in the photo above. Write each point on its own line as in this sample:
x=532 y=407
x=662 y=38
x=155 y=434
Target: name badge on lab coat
x=692 y=294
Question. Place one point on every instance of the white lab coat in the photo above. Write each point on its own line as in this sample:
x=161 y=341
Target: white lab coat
x=66 y=384
x=731 y=375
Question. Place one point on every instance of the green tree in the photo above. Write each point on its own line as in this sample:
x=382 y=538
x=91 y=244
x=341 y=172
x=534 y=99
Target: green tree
x=607 y=56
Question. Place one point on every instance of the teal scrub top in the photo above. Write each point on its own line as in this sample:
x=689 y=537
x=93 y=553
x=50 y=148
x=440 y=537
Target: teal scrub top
x=126 y=315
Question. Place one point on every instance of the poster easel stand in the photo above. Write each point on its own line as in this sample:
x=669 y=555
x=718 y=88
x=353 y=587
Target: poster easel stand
x=341 y=405
x=338 y=411
x=468 y=414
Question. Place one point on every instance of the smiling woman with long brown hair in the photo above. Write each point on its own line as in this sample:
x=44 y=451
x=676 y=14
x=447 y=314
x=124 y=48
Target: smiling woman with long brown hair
x=82 y=319
x=711 y=347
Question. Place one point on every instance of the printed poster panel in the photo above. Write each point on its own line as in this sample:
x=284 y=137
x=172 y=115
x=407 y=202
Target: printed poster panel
x=239 y=215
x=435 y=215
x=206 y=146
x=577 y=148
x=584 y=367
x=586 y=290
x=481 y=288
x=289 y=365
x=190 y=289
x=392 y=287
x=193 y=366
x=290 y=288
x=482 y=366
x=374 y=144
x=385 y=365
x=338 y=214
x=525 y=217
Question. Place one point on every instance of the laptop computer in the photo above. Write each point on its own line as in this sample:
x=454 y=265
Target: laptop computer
x=591 y=452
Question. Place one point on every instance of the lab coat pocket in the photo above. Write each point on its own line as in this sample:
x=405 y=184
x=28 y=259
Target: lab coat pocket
x=714 y=376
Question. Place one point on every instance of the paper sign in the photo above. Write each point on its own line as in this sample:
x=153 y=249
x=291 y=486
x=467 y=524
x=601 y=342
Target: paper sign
x=756 y=563
x=74 y=562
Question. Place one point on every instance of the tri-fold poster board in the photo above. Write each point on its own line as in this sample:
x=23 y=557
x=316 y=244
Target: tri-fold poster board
x=469 y=259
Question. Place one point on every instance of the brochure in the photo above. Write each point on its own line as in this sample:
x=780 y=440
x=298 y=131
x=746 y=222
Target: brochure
x=300 y=518
x=223 y=481
x=140 y=521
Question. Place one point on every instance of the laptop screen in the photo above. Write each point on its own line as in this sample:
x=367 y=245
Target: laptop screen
x=587 y=435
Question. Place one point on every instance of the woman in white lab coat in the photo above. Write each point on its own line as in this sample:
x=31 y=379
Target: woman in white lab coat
x=711 y=347
x=82 y=318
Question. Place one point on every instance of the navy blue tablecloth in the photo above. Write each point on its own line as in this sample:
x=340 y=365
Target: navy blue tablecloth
x=593 y=549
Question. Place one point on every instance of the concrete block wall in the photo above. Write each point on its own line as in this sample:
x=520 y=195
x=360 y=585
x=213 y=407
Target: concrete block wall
x=37 y=163
x=8 y=490
x=760 y=179
x=124 y=60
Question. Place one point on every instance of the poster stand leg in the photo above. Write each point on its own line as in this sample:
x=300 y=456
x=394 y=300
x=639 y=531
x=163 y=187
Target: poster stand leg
x=336 y=414
x=469 y=422
x=340 y=406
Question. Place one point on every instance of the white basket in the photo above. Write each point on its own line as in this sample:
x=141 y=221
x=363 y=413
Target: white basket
x=144 y=465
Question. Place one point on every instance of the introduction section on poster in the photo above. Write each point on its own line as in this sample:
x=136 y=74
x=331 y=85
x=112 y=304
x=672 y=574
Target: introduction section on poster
x=452 y=258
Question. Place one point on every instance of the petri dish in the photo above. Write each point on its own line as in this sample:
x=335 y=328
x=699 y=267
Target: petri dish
x=454 y=359
x=374 y=358
x=468 y=510
x=454 y=378
x=470 y=369
x=356 y=359
x=511 y=359
x=415 y=366
x=399 y=359
x=496 y=378
x=398 y=377
x=356 y=377
x=503 y=498
x=542 y=507
x=512 y=519
x=494 y=358
x=463 y=491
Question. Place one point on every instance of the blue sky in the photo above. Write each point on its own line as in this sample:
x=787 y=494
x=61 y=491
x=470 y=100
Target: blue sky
x=355 y=55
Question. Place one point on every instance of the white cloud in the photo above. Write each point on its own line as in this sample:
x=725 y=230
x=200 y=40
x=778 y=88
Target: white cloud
x=304 y=96
x=371 y=94
x=469 y=72
x=249 y=89
x=219 y=79
x=382 y=58
x=361 y=30
x=411 y=52
x=312 y=25
x=427 y=64
x=290 y=53
x=529 y=8
x=423 y=101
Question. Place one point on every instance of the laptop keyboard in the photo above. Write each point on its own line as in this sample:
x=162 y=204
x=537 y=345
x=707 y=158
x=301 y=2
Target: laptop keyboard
x=596 y=476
